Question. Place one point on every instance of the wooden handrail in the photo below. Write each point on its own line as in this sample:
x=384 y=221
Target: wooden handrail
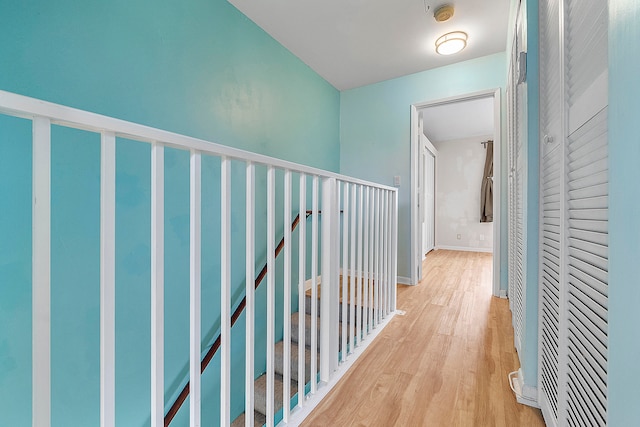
x=234 y=317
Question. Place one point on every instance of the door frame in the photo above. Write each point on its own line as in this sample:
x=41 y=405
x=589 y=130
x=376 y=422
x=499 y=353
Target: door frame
x=416 y=234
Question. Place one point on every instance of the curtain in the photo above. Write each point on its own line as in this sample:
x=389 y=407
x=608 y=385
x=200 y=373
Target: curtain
x=486 y=191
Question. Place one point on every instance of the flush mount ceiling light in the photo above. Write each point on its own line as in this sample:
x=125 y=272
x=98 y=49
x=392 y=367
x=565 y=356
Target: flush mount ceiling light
x=451 y=43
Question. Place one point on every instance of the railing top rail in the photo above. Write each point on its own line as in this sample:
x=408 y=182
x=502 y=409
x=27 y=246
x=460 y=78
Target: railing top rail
x=23 y=106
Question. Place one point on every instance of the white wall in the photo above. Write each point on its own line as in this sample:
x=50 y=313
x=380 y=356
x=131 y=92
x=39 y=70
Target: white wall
x=459 y=178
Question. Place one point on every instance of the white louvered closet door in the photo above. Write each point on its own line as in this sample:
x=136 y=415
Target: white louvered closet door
x=574 y=255
x=511 y=199
x=520 y=99
x=586 y=40
x=551 y=206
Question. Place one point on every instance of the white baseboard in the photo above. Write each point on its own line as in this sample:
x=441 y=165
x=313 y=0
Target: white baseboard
x=503 y=293
x=404 y=280
x=465 y=249
x=525 y=394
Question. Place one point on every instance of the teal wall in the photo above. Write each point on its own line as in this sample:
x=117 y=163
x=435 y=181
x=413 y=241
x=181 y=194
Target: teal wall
x=624 y=211
x=375 y=141
x=199 y=68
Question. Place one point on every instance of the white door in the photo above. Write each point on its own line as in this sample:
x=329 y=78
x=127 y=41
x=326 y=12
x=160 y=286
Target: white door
x=517 y=106
x=429 y=183
x=551 y=206
x=573 y=305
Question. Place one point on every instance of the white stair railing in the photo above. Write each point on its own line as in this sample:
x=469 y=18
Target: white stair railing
x=351 y=240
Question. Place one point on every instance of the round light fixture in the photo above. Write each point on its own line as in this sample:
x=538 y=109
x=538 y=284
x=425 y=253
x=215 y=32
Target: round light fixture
x=451 y=43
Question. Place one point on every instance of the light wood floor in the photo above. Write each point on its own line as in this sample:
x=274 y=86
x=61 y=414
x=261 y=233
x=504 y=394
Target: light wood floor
x=445 y=363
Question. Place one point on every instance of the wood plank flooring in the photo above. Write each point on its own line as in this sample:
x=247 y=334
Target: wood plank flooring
x=444 y=363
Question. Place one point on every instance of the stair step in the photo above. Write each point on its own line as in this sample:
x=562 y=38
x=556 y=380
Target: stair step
x=295 y=324
x=260 y=387
x=295 y=327
x=258 y=420
x=307 y=308
x=279 y=358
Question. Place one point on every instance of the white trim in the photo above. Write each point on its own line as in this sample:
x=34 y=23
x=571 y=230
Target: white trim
x=26 y=107
x=503 y=293
x=497 y=188
x=464 y=249
x=525 y=394
x=415 y=249
x=404 y=280
x=298 y=415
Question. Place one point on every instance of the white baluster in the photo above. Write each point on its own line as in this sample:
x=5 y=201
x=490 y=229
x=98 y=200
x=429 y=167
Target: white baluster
x=157 y=285
x=286 y=364
x=360 y=280
x=377 y=251
x=302 y=249
x=394 y=250
x=365 y=256
x=41 y=273
x=314 y=284
x=372 y=211
x=249 y=402
x=345 y=267
x=352 y=271
x=225 y=291
x=107 y=279
x=194 y=287
x=271 y=286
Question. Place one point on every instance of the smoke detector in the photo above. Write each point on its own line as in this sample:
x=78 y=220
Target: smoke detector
x=443 y=13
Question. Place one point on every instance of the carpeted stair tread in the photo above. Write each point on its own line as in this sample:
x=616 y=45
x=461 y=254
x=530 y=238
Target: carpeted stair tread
x=260 y=395
x=279 y=357
x=295 y=327
x=258 y=420
x=307 y=309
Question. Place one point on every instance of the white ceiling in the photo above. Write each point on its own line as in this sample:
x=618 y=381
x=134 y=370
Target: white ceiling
x=459 y=120
x=353 y=43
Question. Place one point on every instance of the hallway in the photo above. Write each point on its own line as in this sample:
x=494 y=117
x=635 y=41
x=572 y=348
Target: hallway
x=444 y=363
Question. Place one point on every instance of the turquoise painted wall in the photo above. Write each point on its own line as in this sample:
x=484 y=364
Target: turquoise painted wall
x=199 y=68
x=375 y=139
x=624 y=211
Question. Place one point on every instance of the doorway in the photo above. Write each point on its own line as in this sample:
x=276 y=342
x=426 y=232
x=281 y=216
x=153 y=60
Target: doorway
x=421 y=155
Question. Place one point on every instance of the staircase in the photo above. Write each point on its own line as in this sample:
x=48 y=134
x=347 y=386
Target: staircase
x=357 y=235
x=260 y=384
